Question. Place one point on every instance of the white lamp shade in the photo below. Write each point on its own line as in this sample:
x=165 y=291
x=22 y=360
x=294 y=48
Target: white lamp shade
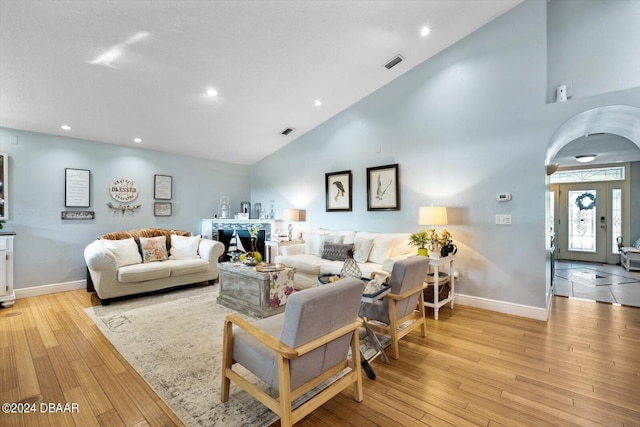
x=432 y=215
x=294 y=215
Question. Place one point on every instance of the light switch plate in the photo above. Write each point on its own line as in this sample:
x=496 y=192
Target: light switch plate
x=503 y=219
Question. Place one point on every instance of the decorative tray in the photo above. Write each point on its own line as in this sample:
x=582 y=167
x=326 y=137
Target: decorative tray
x=267 y=267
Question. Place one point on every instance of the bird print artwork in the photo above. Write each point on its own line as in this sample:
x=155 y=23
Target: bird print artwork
x=380 y=192
x=340 y=190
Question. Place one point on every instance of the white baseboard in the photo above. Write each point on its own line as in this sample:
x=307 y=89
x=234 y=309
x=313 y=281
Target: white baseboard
x=50 y=289
x=528 y=311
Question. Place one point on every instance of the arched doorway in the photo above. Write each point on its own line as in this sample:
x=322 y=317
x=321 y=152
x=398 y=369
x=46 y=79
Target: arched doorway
x=572 y=206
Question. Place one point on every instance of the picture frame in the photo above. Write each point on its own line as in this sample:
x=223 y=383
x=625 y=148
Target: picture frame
x=338 y=189
x=383 y=188
x=162 y=187
x=77 y=188
x=162 y=209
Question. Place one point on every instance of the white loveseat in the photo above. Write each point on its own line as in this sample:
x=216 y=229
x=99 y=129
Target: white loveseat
x=317 y=255
x=145 y=260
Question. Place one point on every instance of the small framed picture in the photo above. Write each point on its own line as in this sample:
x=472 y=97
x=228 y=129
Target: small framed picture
x=383 y=188
x=77 y=187
x=162 y=209
x=162 y=187
x=338 y=191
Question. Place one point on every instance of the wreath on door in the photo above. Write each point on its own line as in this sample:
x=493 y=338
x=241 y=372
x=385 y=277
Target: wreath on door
x=585 y=205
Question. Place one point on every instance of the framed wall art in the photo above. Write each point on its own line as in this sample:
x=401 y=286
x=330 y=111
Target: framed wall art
x=162 y=209
x=162 y=187
x=338 y=191
x=383 y=188
x=77 y=183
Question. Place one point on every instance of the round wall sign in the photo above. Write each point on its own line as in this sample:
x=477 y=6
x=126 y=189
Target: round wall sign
x=124 y=190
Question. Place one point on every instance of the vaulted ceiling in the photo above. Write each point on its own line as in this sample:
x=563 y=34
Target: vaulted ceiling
x=124 y=69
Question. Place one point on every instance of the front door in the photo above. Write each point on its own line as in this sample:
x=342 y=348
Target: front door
x=582 y=222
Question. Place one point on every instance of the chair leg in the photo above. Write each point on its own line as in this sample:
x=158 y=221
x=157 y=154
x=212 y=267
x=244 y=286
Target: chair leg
x=358 y=393
x=393 y=328
x=423 y=317
x=284 y=383
x=227 y=360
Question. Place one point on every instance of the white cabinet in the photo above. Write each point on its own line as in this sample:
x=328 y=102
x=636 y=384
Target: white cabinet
x=7 y=296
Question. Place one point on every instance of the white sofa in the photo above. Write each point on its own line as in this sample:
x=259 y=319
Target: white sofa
x=119 y=266
x=373 y=252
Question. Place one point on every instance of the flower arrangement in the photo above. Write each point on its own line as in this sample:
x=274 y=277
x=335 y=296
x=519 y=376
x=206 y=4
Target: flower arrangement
x=253 y=234
x=443 y=239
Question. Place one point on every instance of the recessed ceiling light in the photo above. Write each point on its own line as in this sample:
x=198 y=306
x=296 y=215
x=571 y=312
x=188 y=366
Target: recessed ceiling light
x=586 y=158
x=318 y=103
x=424 y=31
x=212 y=92
x=66 y=127
x=137 y=139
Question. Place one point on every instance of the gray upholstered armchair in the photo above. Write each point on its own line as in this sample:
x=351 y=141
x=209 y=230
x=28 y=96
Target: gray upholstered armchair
x=297 y=350
x=403 y=303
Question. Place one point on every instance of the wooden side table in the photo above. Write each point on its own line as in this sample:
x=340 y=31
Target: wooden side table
x=436 y=263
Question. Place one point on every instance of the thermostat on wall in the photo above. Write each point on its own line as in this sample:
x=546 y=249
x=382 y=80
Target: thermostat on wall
x=503 y=197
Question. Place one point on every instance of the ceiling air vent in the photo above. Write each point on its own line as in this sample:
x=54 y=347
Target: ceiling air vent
x=287 y=131
x=395 y=61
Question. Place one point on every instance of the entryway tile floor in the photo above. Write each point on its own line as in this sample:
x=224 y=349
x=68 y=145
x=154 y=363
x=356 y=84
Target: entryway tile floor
x=597 y=282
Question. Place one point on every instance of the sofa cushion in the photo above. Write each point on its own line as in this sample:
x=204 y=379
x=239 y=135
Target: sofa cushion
x=334 y=252
x=143 y=272
x=313 y=243
x=187 y=266
x=309 y=264
x=362 y=249
x=381 y=249
x=125 y=251
x=153 y=248
x=184 y=247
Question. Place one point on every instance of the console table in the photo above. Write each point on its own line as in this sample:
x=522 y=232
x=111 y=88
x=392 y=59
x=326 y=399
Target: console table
x=436 y=263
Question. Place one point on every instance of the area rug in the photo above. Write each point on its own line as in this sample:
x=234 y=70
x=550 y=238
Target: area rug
x=174 y=341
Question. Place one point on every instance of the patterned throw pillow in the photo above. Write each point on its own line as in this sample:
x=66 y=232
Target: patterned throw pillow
x=362 y=249
x=334 y=252
x=153 y=248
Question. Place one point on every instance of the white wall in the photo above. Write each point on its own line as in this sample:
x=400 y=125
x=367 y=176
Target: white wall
x=49 y=250
x=464 y=126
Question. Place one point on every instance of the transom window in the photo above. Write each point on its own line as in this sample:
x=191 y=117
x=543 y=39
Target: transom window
x=615 y=173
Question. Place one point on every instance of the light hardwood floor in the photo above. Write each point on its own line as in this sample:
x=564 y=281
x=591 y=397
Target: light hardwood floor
x=474 y=368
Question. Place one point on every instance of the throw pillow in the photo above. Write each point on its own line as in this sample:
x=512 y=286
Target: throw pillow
x=361 y=249
x=334 y=252
x=333 y=238
x=125 y=250
x=381 y=250
x=313 y=243
x=183 y=247
x=153 y=248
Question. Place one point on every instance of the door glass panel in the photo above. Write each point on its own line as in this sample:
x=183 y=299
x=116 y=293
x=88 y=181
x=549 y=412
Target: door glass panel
x=582 y=220
x=616 y=218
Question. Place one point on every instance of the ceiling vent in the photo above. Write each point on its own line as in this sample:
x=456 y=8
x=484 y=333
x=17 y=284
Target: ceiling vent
x=287 y=131
x=395 y=61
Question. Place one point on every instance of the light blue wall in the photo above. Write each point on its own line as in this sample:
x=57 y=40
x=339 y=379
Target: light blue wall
x=593 y=46
x=467 y=124
x=49 y=250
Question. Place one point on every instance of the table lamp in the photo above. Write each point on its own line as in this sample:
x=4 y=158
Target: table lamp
x=431 y=216
x=294 y=215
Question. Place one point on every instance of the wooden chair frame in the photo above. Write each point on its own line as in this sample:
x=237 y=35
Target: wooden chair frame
x=417 y=317
x=282 y=405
